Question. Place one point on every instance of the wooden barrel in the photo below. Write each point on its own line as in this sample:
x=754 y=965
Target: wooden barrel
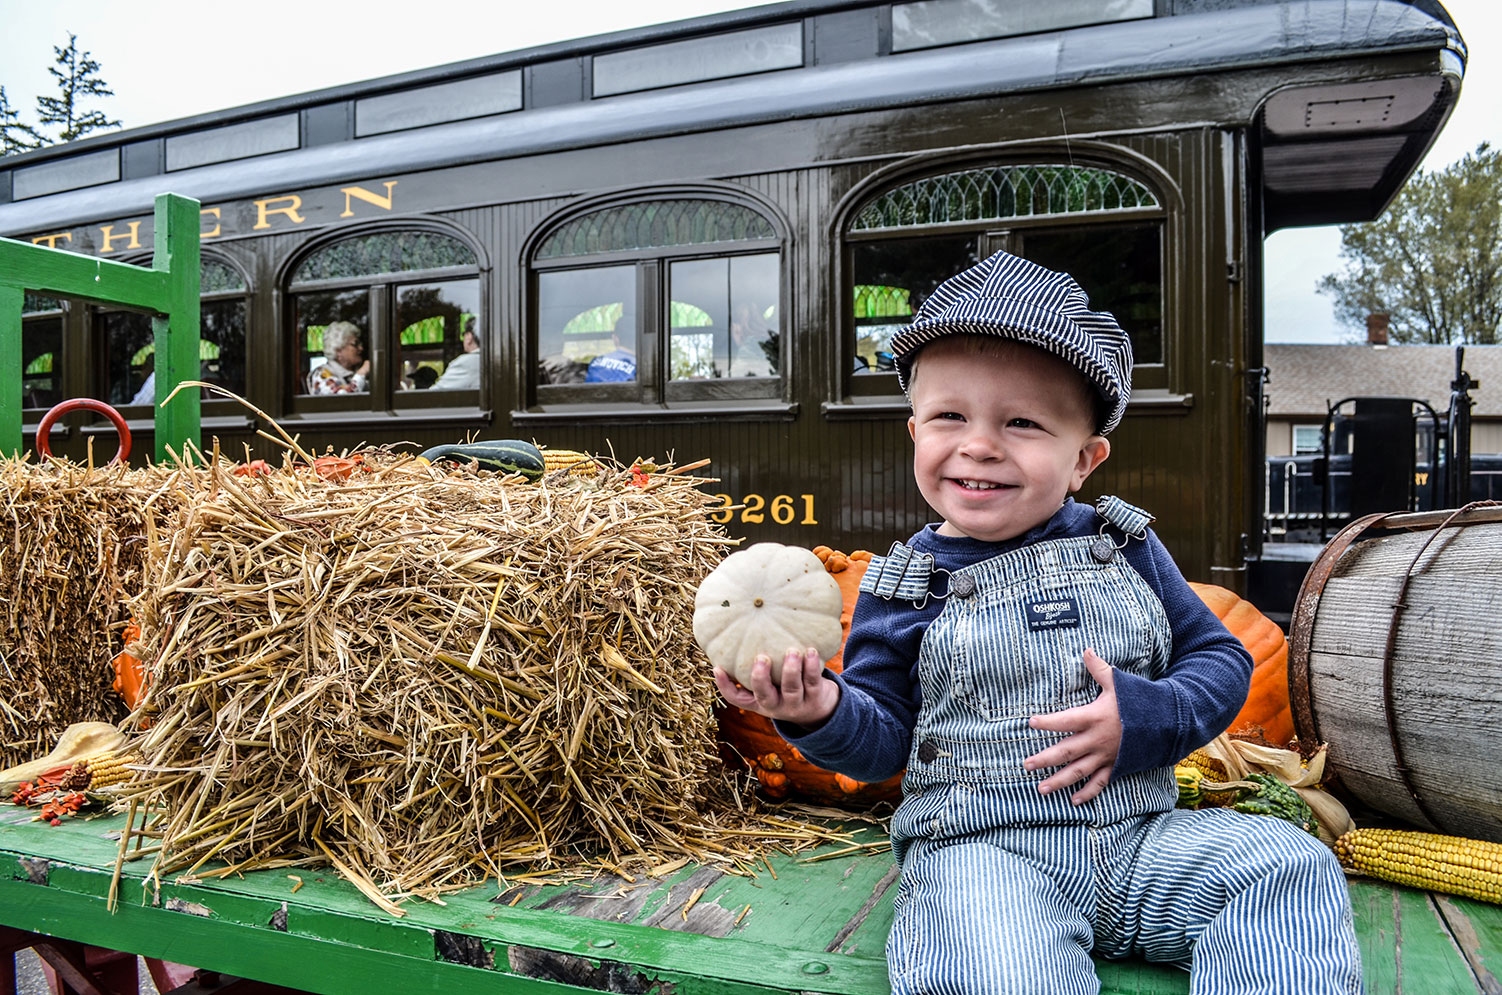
x=1395 y=661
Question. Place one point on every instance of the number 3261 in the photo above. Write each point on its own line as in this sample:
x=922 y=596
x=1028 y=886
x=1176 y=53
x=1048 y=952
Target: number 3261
x=754 y=509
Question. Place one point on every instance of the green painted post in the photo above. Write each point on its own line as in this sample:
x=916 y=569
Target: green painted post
x=177 y=255
x=169 y=288
x=12 y=301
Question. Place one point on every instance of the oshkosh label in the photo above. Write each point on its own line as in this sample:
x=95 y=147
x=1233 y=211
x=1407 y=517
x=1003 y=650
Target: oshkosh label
x=1053 y=612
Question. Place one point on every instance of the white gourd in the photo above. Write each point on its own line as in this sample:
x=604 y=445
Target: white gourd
x=767 y=598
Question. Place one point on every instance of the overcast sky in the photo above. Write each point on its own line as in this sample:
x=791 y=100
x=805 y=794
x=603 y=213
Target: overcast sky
x=225 y=55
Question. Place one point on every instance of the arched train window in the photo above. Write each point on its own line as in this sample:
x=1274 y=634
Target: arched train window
x=387 y=319
x=1102 y=227
x=127 y=342
x=659 y=301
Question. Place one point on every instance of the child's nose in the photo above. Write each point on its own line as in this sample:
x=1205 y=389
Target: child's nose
x=982 y=445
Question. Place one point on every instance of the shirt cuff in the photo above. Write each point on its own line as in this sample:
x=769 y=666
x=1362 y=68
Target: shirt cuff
x=1150 y=724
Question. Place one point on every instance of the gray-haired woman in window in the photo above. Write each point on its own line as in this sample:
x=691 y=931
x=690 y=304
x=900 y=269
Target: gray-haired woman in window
x=345 y=370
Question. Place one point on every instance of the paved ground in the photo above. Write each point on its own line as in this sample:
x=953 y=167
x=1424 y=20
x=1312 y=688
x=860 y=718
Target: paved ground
x=31 y=981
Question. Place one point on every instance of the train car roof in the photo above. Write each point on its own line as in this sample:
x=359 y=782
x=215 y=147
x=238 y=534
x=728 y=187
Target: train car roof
x=1333 y=147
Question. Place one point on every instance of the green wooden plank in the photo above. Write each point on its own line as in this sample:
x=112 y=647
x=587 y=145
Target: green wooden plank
x=199 y=926
x=327 y=937
x=69 y=274
x=1137 y=977
x=288 y=959
x=1375 y=908
x=12 y=301
x=258 y=918
x=1405 y=944
x=1477 y=927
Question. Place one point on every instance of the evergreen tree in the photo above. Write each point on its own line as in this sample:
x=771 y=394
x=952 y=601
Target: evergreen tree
x=15 y=136
x=1433 y=261
x=77 y=79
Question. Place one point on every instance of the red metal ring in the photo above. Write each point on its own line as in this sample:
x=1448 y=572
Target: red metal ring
x=44 y=427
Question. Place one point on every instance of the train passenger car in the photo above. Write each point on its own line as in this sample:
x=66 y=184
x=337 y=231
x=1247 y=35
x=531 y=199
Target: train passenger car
x=697 y=239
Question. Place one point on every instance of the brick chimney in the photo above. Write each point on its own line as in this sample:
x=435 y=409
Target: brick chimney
x=1376 y=329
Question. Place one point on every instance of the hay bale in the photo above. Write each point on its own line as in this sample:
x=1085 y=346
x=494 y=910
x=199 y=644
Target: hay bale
x=72 y=548
x=427 y=678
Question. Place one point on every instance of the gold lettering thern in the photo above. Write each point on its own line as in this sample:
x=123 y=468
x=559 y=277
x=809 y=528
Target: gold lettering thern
x=290 y=210
x=360 y=193
x=107 y=233
x=51 y=240
x=215 y=232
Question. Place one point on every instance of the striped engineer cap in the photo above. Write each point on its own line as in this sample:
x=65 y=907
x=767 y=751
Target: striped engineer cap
x=1012 y=298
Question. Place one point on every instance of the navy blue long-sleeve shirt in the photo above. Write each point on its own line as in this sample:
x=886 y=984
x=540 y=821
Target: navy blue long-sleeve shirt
x=870 y=733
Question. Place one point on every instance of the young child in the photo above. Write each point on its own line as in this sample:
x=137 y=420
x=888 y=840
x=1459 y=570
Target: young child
x=1038 y=666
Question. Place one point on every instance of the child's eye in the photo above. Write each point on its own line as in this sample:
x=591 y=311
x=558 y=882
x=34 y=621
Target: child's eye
x=1022 y=423
x=951 y=416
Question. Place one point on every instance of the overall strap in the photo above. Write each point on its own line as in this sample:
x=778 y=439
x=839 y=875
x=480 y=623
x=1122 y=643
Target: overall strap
x=1129 y=520
x=903 y=573
x=908 y=574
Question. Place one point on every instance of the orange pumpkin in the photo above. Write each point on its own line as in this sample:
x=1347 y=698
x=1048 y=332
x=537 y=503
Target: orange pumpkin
x=779 y=767
x=1267 y=712
x=847 y=572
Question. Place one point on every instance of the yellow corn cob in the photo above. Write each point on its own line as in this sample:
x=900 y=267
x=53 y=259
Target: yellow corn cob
x=1213 y=770
x=561 y=459
x=1451 y=864
x=110 y=768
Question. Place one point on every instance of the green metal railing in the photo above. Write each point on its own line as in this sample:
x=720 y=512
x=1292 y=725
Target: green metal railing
x=169 y=289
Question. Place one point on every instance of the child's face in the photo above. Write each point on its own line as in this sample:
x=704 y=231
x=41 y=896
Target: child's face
x=999 y=440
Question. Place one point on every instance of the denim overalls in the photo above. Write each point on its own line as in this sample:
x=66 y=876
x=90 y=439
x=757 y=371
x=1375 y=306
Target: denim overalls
x=1005 y=890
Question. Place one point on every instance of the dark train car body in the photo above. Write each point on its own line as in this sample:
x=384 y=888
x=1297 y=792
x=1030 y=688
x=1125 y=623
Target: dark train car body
x=812 y=168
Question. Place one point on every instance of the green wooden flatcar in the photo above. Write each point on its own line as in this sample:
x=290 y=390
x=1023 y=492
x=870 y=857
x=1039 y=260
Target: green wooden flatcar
x=803 y=925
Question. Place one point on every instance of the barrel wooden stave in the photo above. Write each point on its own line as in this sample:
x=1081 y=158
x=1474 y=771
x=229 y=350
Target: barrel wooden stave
x=1446 y=676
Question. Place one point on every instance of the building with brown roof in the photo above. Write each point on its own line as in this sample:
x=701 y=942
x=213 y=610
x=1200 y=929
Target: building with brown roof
x=1303 y=379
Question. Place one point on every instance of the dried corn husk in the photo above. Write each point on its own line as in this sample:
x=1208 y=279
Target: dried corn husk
x=1241 y=758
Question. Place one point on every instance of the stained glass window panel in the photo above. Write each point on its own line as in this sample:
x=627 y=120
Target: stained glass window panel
x=656 y=224
x=996 y=192
x=384 y=252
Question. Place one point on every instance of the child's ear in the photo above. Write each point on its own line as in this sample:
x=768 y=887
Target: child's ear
x=1092 y=454
x=912 y=427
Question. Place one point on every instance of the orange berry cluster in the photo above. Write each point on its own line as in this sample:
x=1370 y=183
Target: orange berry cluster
x=54 y=811
x=55 y=804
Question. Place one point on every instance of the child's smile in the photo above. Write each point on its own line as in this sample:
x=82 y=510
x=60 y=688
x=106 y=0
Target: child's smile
x=999 y=438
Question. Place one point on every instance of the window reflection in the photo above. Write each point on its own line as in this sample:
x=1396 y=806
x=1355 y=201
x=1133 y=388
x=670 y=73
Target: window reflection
x=41 y=361
x=1121 y=269
x=129 y=351
x=438 y=346
x=690 y=311
x=723 y=318
x=587 y=325
x=1101 y=226
x=892 y=278
x=389 y=317
x=332 y=359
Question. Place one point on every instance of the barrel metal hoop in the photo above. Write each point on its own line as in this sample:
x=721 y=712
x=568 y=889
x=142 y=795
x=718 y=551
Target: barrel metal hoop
x=1301 y=628
x=1389 y=706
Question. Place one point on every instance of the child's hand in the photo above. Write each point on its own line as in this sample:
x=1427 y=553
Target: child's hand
x=1085 y=757
x=803 y=698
